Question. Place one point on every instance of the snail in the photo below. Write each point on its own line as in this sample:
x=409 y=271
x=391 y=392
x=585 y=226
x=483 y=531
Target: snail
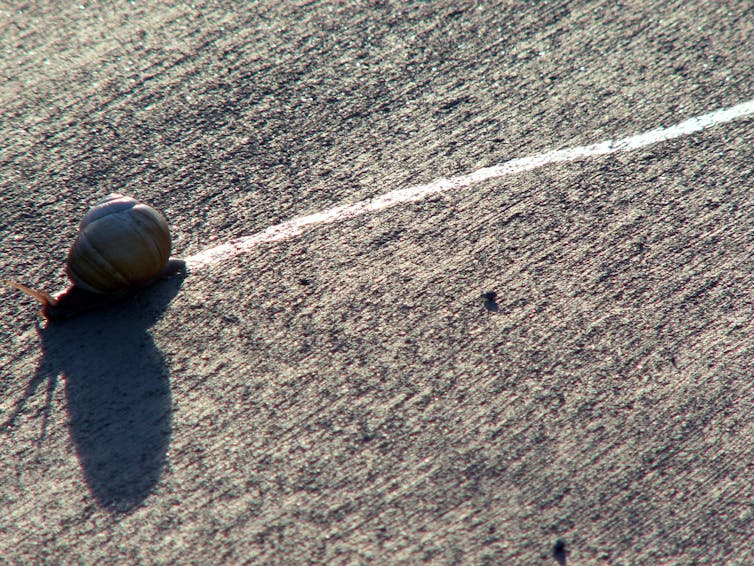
x=121 y=245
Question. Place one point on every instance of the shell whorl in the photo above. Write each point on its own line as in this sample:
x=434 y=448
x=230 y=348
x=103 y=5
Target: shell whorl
x=122 y=244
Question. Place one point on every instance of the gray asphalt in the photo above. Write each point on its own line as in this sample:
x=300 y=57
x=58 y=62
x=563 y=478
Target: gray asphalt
x=348 y=396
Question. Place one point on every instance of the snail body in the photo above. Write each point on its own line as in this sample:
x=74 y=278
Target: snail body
x=122 y=244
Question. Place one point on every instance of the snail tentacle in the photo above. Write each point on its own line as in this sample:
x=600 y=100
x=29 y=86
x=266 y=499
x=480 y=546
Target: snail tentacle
x=42 y=296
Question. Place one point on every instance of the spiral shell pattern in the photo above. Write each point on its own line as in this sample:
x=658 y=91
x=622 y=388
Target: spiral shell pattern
x=122 y=244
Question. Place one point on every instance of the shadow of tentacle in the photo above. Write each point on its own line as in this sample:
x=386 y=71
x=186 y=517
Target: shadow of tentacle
x=117 y=392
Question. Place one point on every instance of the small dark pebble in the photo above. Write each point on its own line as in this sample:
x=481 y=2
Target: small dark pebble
x=559 y=550
x=489 y=301
x=304 y=281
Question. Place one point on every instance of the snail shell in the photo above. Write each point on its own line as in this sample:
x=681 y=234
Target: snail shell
x=122 y=244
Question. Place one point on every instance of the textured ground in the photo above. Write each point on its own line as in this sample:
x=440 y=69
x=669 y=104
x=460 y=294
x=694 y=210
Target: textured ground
x=347 y=396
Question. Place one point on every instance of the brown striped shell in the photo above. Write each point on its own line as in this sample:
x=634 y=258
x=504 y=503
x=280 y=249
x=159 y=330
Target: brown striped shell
x=122 y=244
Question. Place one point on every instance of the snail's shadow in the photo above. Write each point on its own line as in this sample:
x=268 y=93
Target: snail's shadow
x=117 y=394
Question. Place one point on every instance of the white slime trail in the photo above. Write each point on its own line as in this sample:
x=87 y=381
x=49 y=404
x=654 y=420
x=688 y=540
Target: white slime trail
x=296 y=226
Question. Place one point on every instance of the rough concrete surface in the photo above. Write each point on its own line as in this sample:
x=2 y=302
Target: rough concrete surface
x=348 y=396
